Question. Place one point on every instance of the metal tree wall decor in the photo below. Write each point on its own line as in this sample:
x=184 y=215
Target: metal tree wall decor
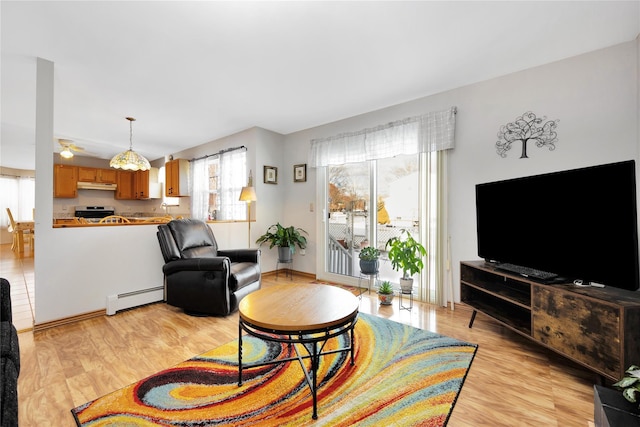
x=527 y=128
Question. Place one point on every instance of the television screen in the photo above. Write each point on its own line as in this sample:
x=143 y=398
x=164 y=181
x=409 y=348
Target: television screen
x=580 y=224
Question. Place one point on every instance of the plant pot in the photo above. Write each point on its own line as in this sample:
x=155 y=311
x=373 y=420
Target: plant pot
x=406 y=285
x=369 y=266
x=385 y=299
x=284 y=254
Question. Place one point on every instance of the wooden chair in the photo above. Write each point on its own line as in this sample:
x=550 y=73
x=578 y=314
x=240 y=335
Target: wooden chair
x=158 y=219
x=114 y=219
x=27 y=235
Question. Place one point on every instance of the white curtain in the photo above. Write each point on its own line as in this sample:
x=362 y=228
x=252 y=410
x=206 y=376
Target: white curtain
x=18 y=194
x=436 y=289
x=199 y=189
x=233 y=173
x=426 y=133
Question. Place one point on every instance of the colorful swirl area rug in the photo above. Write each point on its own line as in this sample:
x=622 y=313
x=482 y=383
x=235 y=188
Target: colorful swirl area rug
x=402 y=376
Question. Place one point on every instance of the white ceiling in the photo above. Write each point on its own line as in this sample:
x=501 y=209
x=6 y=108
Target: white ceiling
x=193 y=72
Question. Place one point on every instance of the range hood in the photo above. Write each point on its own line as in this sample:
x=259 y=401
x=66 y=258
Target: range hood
x=96 y=186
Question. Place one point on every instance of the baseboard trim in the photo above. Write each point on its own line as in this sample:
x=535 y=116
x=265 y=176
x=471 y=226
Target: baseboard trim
x=66 y=320
x=297 y=273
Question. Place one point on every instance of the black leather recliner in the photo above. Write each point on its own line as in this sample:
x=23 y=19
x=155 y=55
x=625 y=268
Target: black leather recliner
x=199 y=277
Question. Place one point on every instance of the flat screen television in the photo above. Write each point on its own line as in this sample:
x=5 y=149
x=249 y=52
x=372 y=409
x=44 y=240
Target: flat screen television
x=580 y=224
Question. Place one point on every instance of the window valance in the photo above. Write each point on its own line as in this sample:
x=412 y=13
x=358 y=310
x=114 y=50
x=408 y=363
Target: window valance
x=429 y=132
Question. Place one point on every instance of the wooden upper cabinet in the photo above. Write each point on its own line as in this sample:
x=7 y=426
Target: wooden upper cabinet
x=134 y=185
x=65 y=181
x=107 y=176
x=177 y=173
x=125 y=189
x=141 y=184
x=87 y=174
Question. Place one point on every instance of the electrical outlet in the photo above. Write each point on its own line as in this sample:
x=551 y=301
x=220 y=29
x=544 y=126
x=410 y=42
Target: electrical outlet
x=311 y=207
x=303 y=252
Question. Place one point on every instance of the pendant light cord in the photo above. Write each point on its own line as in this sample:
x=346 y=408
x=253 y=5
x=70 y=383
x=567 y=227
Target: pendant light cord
x=131 y=120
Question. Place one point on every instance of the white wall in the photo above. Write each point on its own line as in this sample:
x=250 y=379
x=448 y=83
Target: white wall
x=595 y=97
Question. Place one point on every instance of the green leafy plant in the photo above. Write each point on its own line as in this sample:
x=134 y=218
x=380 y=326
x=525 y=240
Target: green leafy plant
x=282 y=237
x=406 y=254
x=369 y=253
x=385 y=288
x=630 y=384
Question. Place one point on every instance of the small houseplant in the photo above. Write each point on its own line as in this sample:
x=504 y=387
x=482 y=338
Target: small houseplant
x=285 y=238
x=630 y=384
x=406 y=256
x=369 y=260
x=385 y=293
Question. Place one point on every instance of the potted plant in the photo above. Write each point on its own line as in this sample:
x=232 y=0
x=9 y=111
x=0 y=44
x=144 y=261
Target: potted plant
x=369 y=260
x=385 y=293
x=406 y=256
x=285 y=238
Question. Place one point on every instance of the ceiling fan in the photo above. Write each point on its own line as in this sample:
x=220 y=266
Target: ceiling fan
x=68 y=147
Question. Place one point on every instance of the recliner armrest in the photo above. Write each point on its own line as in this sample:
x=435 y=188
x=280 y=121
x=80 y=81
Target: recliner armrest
x=220 y=263
x=241 y=255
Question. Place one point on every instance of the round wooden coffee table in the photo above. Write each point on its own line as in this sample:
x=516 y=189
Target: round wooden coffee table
x=305 y=315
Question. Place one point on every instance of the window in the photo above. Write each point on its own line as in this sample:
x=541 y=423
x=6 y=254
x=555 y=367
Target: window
x=216 y=184
x=370 y=202
x=378 y=181
x=17 y=194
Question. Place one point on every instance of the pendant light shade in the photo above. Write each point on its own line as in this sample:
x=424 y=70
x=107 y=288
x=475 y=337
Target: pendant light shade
x=130 y=160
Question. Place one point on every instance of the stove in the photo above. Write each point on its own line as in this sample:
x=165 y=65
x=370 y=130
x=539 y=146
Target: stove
x=94 y=213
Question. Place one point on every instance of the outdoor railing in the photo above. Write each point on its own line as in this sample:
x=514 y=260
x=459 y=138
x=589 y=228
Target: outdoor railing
x=340 y=259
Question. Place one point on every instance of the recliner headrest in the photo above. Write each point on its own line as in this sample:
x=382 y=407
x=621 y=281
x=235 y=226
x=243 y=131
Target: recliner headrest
x=193 y=238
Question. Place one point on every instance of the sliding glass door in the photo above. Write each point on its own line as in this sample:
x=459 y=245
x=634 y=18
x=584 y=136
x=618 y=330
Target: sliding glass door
x=367 y=204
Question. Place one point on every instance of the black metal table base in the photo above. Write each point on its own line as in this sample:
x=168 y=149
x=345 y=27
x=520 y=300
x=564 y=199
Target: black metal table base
x=405 y=294
x=313 y=341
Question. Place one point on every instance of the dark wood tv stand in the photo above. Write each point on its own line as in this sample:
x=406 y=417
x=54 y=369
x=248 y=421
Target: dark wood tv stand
x=598 y=328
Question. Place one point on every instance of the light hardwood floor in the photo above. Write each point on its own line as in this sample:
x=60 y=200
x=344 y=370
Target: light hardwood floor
x=512 y=382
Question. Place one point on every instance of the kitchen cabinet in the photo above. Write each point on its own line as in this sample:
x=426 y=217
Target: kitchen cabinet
x=125 y=181
x=176 y=175
x=141 y=185
x=65 y=181
x=107 y=176
x=138 y=185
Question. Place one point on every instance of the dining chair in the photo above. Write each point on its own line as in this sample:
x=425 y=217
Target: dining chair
x=27 y=235
x=114 y=219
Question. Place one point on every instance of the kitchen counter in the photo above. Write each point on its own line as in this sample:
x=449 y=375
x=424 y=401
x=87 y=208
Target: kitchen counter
x=71 y=222
x=95 y=224
x=68 y=222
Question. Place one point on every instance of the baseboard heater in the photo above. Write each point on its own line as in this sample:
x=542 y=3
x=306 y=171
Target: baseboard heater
x=133 y=299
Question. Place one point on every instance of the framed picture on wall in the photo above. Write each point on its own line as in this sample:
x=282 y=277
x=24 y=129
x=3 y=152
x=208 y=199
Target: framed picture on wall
x=300 y=173
x=270 y=175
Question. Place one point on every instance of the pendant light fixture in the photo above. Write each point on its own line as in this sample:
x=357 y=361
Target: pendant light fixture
x=66 y=152
x=130 y=160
